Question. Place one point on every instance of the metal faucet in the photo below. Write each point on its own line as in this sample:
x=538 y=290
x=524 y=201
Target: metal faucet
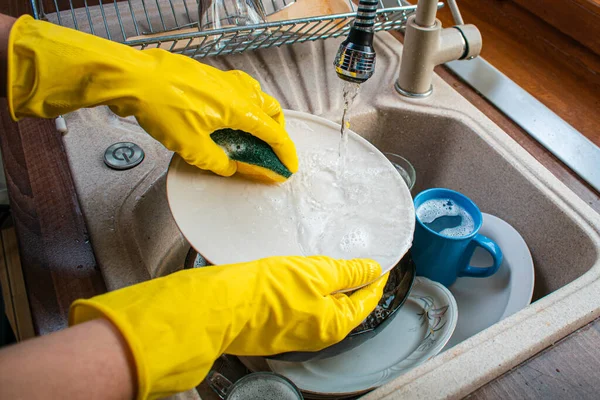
x=427 y=45
x=355 y=59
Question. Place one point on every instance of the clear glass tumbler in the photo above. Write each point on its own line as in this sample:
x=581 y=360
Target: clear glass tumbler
x=404 y=168
x=254 y=386
x=222 y=14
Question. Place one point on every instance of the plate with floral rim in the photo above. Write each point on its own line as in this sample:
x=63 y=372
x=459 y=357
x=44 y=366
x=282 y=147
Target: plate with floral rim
x=419 y=332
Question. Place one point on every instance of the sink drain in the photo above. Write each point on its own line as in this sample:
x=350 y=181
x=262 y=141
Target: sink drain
x=123 y=155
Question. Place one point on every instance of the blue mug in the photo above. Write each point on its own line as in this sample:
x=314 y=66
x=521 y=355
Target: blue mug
x=445 y=240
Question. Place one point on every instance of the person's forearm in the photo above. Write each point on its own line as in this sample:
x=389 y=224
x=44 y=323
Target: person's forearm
x=87 y=361
x=6 y=23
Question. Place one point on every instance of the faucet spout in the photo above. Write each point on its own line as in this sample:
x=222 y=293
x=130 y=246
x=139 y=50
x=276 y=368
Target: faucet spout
x=426 y=12
x=355 y=59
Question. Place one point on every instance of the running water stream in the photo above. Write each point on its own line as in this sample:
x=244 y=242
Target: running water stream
x=349 y=92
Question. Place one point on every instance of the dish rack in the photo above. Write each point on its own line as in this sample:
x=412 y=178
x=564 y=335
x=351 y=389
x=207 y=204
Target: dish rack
x=173 y=24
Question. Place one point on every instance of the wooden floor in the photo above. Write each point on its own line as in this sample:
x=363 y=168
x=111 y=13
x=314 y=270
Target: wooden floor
x=557 y=70
x=567 y=370
x=16 y=303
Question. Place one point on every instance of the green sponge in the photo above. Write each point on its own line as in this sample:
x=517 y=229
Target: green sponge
x=246 y=148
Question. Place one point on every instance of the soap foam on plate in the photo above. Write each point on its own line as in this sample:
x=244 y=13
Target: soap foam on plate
x=342 y=217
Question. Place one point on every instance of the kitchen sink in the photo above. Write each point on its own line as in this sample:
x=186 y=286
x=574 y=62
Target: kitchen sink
x=448 y=152
x=450 y=143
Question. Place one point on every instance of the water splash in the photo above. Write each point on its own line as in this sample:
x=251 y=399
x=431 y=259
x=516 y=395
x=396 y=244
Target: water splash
x=344 y=221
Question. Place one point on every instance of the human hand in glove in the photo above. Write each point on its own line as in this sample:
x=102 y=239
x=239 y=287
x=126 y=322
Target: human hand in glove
x=54 y=70
x=176 y=326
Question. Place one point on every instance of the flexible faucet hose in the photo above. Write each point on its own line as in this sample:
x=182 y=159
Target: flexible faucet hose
x=365 y=16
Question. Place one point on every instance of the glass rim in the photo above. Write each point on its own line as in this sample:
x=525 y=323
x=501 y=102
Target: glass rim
x=265 y=374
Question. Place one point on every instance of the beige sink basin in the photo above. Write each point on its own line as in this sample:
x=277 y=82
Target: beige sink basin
x=451 y=145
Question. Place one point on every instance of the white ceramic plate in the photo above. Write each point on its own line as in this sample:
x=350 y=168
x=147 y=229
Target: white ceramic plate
x=418 y=332
x=484 y=301
x=231 y=220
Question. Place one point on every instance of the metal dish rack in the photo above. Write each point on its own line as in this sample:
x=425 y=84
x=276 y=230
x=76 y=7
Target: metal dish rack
x=173 y=25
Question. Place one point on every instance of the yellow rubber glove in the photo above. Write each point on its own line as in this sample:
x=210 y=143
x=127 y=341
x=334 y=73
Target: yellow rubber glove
x=54 y=70
x=178 y=325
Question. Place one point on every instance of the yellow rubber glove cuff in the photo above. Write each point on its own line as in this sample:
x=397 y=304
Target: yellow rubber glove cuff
x=178 y=325
x=54 y=70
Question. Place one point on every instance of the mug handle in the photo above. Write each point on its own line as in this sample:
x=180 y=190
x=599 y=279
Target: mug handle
x=491 y=247
x=219 y=384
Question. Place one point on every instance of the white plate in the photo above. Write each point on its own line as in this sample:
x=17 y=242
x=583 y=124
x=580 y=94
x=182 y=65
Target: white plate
x=418 y=332
x=231 y=220
x=484 y=301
